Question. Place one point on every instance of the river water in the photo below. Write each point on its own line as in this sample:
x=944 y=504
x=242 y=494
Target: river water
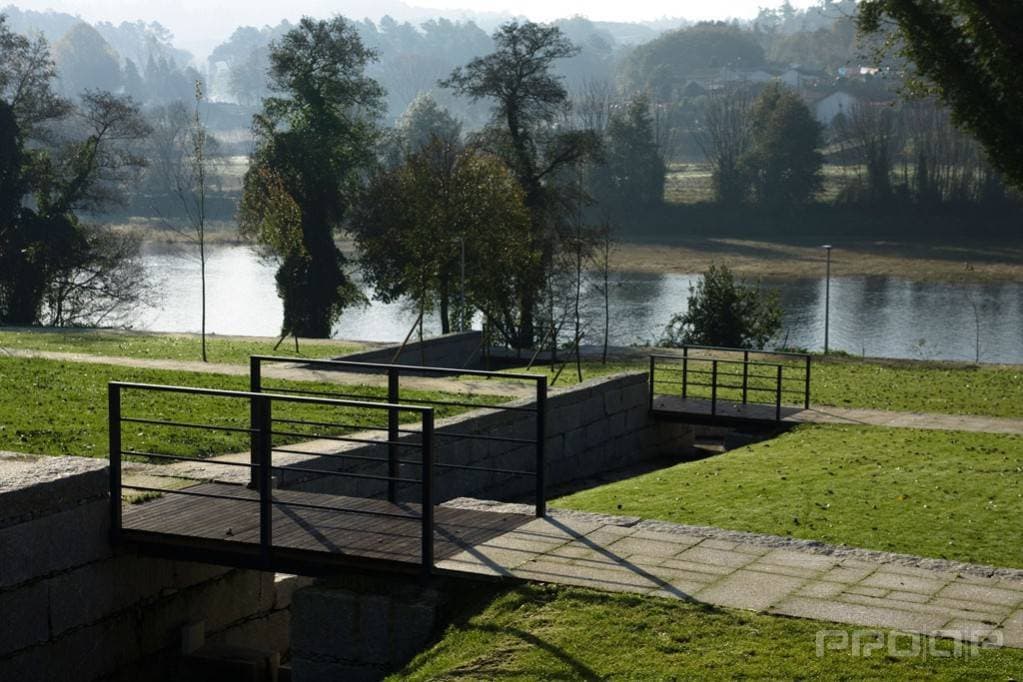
x=874 y=316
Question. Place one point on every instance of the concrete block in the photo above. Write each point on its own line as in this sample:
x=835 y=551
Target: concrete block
x=612 y=401
x=575 y=442
x=616 y=424
x=306 y=669
x=54 y=543
x=33 y=486
x=25 y=617
x=324 y=623
x=593 y=409
x=374 y=629
x=596 y=434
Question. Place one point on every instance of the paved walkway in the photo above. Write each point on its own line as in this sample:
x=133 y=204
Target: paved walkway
x=842 y=415
x=755 y=572
x=293 y=372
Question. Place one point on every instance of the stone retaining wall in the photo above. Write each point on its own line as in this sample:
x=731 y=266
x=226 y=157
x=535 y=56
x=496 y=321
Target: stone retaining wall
x=74 y=608
x=600 y=425
x=460 y=350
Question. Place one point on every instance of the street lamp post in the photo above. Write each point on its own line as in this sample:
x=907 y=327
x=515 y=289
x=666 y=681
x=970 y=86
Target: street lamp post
x=827 y=295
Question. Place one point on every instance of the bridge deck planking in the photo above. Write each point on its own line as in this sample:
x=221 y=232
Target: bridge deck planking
x=674 y=407
x=338 y=533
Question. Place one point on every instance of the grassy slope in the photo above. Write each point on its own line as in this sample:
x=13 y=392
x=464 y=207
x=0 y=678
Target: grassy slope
x=952 y=388
x=60 y=408
x=536 y=632
x=941 y=494
x=162 y=346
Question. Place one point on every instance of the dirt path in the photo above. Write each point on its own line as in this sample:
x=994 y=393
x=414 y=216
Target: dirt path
x=293 y=372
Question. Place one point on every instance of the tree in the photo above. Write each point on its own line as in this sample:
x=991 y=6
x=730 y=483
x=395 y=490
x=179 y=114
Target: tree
x=315 y=140
x=783 y=162
x=722 y=311
x=53 y=165
x=85 y=61
x=444 y=224
x=874 y=139
x=969 y=53
x=631 y=176
x=528 y=101
x=725 y=139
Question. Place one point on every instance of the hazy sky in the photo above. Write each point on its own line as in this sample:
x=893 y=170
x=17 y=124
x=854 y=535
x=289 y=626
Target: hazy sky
x=200 y=24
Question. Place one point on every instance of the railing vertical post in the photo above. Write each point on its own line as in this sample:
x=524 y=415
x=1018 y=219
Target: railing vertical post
x=685 y=370
x=777 y=399
x=541 y=441
x=393 y=391
x=262 y=426
x=255 y=386
x=745 y=375
x=806 y=396
x=427 y=485
x=653 y=361
x=114 y=436
x=713 y=387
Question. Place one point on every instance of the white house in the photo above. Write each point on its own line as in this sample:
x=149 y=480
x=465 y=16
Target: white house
x=827 y=108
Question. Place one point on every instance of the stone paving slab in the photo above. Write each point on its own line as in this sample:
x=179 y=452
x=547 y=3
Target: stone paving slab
x=756 y=572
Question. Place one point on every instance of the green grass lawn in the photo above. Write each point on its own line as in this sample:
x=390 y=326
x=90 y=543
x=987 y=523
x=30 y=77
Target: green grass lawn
x=907 y=386
x=60 y=408
x=536 y=632
x=152 y=345
x=940 y=494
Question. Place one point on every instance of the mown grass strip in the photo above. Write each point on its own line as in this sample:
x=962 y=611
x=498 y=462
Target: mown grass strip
x=156 y=346
x=60 y=408
x=551 y=633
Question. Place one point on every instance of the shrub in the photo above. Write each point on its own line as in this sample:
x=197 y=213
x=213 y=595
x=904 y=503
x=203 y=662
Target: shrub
x=722 y=311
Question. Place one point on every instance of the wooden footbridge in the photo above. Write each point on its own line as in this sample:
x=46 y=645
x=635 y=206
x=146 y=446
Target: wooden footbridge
x=253 y=523
x=730 y=386
x=246 y=518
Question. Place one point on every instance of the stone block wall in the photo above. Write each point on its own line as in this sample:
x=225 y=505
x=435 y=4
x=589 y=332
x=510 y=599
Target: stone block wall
x=461 y=350
x=74 y=608
x=597 y=426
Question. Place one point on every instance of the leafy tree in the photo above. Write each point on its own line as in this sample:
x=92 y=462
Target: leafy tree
x=528 y=99
x=722 y=311
x=423 y=123
x=85 y=61
x=968 y=52
x=315 y=139
x=783 y=162
x=663 y=66
x=874 y=139
x=443 y=209
x=631 y=176
x=52 y=267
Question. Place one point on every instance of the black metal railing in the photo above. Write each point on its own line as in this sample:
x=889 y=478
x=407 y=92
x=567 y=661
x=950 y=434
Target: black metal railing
x=718 y=375
x=393 y=396
x=261 y=465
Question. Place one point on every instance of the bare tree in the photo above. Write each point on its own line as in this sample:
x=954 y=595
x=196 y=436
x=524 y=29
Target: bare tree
x=873 y=138
x=724 y=138
x=184 y=162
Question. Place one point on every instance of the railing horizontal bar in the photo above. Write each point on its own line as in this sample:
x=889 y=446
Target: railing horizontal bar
x=453 y=403
x=182 y=458
x=720 y=361
x=223 y=393
x=306 y=505
x=326 y=472
x=697 y=346
x=187 y=425
x=303 y=391
x=451 y=371
x=174 y=491
x=342 y=455
x=345 y=439
x=476 y=436
x=468 y=467
x=359 y=427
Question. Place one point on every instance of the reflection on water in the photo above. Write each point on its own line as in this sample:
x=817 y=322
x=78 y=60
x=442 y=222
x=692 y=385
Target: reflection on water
x=878 y=316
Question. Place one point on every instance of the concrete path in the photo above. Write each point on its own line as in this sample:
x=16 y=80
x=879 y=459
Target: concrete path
x=841 y=415
x=756 y=572
x=293 y=372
